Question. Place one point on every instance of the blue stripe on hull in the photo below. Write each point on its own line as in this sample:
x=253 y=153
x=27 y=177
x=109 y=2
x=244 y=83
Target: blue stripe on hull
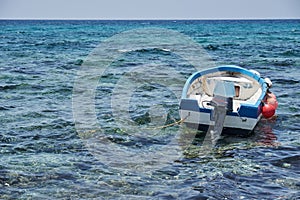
x=244 y=111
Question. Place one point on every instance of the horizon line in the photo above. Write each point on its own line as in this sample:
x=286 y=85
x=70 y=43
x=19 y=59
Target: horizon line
x=151 y=19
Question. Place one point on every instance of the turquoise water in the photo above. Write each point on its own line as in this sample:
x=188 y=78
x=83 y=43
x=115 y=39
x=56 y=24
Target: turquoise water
x=46 y=154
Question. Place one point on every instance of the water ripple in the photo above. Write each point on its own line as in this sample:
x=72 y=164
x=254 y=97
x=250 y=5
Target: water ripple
x=42 y=156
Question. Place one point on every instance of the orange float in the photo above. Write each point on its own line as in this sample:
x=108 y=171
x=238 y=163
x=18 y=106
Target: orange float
x=270 y=105
x=271 y=99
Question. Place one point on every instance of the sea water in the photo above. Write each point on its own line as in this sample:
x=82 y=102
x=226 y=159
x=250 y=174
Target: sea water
x=109 y=143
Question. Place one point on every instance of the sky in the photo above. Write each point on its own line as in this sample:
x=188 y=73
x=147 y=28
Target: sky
x=149 y=9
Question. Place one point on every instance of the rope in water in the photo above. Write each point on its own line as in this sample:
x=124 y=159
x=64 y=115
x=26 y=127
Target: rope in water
x=168 y=125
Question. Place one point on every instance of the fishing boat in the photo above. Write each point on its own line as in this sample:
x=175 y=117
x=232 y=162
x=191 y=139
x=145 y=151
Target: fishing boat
x=230 y=98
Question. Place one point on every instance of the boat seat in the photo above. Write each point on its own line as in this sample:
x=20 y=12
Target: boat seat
x=244 y=88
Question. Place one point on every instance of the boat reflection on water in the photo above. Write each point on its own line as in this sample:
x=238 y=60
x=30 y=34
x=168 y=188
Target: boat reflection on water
x=264 y=134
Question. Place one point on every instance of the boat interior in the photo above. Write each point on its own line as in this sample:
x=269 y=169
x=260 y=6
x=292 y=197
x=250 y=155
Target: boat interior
x=242 y=88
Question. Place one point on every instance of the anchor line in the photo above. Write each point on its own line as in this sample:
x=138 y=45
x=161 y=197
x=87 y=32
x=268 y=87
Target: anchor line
x=168 y=125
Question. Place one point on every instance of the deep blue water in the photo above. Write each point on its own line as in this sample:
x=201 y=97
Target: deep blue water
x=47 y=153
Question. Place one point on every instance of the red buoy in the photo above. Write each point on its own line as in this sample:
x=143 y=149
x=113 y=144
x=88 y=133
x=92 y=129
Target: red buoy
x=271 y=95
x=268 y=110
x=271 y=99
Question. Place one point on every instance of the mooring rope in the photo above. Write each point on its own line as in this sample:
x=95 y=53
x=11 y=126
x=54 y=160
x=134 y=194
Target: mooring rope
x=168 y=125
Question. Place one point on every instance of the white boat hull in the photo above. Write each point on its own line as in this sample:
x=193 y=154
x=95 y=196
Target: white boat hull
x=200 y=119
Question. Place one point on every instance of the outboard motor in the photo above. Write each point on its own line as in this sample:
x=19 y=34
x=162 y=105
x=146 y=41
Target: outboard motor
x=226 y=102
x=223 y=95
x=223 y=103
